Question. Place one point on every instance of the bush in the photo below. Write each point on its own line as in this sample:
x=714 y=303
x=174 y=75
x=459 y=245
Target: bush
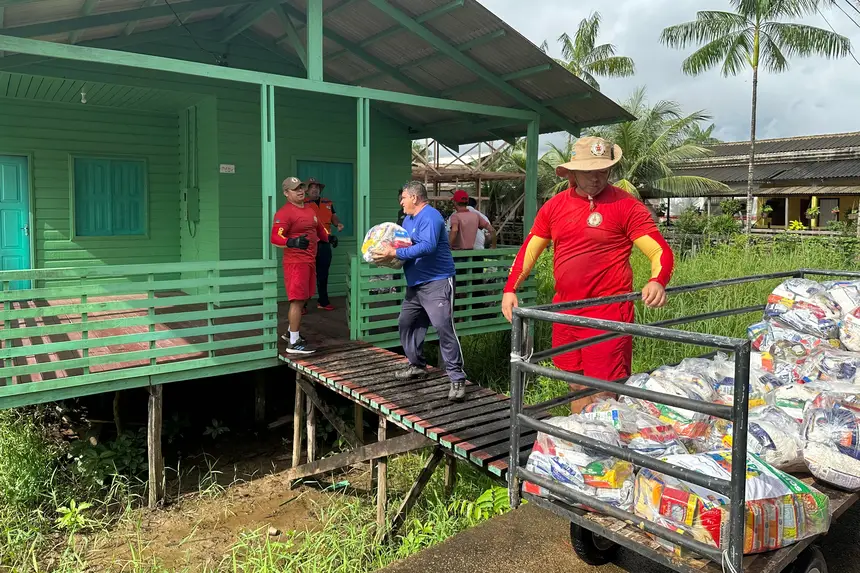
x=723 y=225
x=28 y=459
x=732 y=207
x=691 y=222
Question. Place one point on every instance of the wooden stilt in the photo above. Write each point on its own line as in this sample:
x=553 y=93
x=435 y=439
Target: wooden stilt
x=342 y=428
x=381 y=478
x=117 y=418
x=415 y=491
x=358 y=422
x=260 y=400
x=153 y=444
x=297 y=425
x=450 y=475
x=311 y=417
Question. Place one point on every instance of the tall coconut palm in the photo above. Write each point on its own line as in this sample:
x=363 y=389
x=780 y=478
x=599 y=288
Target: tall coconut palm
x=653 y=144
x=702 y=136
x=586 y=60
x=753 y=35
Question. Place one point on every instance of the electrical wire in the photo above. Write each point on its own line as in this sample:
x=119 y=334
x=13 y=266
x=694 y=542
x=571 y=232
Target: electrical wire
x=847 y=15
x=850 y=52
x=217 y=57
x=853 y=7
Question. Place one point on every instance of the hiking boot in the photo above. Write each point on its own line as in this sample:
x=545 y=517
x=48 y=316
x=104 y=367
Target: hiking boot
x=410 y=372
x=300 y=346
x=457 y=393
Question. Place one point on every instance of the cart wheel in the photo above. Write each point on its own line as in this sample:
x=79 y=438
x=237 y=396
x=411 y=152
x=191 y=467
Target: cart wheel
x=810 y=561
x=592 y=548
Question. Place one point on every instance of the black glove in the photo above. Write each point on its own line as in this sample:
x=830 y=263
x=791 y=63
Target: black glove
x=299 y=243
x=332 y=240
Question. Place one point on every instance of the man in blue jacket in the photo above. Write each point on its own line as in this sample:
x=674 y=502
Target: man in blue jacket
x=429 y=269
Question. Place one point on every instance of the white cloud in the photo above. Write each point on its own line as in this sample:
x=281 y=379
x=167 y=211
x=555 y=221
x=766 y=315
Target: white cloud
x=815 y=96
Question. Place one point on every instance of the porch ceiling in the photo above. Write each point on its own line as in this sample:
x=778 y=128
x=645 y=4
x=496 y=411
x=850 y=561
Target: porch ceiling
x=61 y=90
x=453 y=49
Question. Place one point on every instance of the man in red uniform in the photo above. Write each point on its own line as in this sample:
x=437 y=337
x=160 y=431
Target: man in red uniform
x=324 y=210
x=593 y=226
x=297 y=230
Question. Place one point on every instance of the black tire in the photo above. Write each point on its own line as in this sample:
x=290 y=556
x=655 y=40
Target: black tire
x=811 y=560
x=593 y=549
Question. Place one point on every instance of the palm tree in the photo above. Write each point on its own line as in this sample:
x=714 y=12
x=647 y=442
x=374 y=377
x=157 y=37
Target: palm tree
x=583 y=59
x=753 y=35
x=702 y=136
x=655 y=143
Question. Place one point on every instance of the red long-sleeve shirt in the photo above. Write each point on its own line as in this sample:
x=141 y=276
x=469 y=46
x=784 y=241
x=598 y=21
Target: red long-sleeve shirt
x=290 y=222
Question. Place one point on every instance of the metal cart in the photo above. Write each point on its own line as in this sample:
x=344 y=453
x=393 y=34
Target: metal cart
x=595 y=536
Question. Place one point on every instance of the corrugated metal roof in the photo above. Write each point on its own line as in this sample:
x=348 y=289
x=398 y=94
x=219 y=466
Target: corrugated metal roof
x=804 y=143
x=779 y=171
x=505 y=52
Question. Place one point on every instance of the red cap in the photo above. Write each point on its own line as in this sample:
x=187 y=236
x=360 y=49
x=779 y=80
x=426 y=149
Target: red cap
x=460 y=196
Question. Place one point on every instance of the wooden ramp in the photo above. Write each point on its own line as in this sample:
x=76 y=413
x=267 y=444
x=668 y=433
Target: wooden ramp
x=476 y=430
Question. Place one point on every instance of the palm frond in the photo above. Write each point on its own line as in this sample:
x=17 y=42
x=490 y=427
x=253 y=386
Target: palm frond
x=626 y=185
x=707 y=27
x=615 y=67
x=802 y=40
x=728 y=49
x=586 y=35
x=689 y=186
x=771 y=56
x=600 y=52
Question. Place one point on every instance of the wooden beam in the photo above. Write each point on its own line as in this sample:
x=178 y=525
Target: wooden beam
x=292 y=36
x=111 y=18
x=425 y=34
x=415 y=491
x=311 y=419
x=450 y=480
x=129 y=28
x=153 y=445
x=381 y=478
x=297 y=427
x=390 y=447
x=87 y=9
x=464 y=47
x=507 y=77
x=316 y=31
x=246 y=18
x=337 y=422
x=579 y=96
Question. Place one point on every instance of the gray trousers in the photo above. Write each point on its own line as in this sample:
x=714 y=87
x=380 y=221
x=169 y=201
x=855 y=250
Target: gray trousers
x=426 y=304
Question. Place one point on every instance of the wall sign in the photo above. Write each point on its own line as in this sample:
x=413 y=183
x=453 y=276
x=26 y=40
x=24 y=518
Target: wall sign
x=227 y=168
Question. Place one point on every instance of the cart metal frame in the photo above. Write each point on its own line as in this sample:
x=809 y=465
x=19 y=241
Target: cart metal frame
x=525 y=361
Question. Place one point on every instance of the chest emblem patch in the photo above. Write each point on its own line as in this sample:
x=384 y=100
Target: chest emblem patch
x=595 y=219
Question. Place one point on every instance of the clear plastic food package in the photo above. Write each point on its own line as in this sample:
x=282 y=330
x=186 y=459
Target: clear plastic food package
x=832 y=450
x=637 y=430
x=780 y=509
x=795 y=399
x=845 y=293
x=592 y=473
x=674 y=381
x=849 y=330
x=772 y=435
x=382 y=235
x=805 y=306
x=830 y=365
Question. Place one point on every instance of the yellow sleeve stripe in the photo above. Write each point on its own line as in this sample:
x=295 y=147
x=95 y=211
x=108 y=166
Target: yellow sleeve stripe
x=651 y=249
x=534 y=248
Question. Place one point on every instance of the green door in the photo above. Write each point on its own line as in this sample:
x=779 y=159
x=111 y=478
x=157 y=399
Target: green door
x=339 y=183
x=14 y=218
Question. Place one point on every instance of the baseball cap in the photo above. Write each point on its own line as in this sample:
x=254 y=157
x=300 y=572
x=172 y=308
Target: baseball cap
x=292 y=183
x=460 y=196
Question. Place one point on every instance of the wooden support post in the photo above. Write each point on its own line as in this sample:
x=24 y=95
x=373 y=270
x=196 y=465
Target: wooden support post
x=153 y=445
x=311 y=416
x=415 y=491
x=297 y=425
x=392 y=447
x=381 y=478
x=260 y=399
x=450 y=475
x=358 y=421
x=117 y=417
x=342 y=428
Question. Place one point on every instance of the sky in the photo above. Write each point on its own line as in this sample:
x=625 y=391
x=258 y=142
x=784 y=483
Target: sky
x=814 y=96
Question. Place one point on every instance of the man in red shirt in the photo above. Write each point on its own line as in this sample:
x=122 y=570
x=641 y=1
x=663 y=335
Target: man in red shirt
x=593 y=227
x=297 y=230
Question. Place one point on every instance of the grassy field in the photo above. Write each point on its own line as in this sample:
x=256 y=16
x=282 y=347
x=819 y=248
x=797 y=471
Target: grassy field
x=53 y=500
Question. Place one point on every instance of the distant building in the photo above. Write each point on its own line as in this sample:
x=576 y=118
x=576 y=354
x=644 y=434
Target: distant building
x=791 y=175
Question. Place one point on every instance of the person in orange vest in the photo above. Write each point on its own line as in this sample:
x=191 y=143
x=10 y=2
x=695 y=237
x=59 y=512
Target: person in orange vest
x=324 y=210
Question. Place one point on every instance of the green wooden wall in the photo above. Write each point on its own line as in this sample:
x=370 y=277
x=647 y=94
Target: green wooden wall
x=50 y=134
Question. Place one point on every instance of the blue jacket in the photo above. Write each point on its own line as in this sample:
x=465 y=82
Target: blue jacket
x=429 y=258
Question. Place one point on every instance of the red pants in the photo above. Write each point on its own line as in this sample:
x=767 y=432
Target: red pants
x=300 y=280
x=608 y=360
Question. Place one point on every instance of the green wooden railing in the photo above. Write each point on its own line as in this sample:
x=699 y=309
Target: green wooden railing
x=375 y=294
x=86 y=330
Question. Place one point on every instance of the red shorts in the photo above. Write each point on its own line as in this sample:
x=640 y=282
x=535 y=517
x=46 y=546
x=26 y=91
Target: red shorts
x=608 y=360
x=300 y=280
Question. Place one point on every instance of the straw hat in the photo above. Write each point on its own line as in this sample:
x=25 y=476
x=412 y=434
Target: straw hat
x=313 y=181
x=590 y=154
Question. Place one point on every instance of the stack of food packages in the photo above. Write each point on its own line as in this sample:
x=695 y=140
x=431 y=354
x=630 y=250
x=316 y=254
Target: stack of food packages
x=804 y=413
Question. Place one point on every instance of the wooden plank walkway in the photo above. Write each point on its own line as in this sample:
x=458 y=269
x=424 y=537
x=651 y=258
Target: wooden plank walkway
x=476 y=430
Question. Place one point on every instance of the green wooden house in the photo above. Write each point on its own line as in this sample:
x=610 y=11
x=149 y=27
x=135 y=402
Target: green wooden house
x=142 y=145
